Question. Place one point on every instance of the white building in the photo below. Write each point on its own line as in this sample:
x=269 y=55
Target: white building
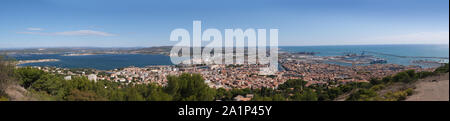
x=122 y=80
x=92 y=77
x=68 y=78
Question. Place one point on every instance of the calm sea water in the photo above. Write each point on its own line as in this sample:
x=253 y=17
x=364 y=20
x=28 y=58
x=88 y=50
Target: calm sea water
x=102 y=62
x=109 y=62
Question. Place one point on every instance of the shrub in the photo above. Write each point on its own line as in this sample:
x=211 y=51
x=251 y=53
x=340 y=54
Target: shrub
x=409 y=91
x=378 y=87
x=442 y=69
x=402 y=77
x=375 y=81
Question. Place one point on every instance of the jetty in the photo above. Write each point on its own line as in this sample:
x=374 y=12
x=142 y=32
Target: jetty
x=401 y=56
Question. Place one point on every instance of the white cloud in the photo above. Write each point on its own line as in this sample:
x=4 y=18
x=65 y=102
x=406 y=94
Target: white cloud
x=413 y=38
x=35 y=29
x=73 y=33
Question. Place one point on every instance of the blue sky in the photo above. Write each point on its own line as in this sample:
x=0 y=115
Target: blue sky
x=139 y=23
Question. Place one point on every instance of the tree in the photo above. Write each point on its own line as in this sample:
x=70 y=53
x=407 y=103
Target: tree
x=424 y=74
x=402 y=77
x=48 y=83
x=411 y=73
x=278 y=97
x=363 y=95
x=307 y=95
x=6 y=76
x=377 y=87
x=375 y=81
x=159 y=96
x=132 y=94
x=297 y=84
x=189 y=87
x=28 y=76
x=442 y=69
x=387 y=79
x=322 y=96
x=261 y=98
x=334 y=93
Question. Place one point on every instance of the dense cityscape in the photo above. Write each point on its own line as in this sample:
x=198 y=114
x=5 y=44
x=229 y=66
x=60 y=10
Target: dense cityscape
x=308 y=68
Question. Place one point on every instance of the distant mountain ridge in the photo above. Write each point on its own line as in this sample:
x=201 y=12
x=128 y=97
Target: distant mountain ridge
x=89 y=50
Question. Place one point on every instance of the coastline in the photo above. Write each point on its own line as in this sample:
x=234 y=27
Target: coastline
x=36 y=61
x=81 y=54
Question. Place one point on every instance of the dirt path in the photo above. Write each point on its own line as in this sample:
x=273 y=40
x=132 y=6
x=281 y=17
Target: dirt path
x=432 y=89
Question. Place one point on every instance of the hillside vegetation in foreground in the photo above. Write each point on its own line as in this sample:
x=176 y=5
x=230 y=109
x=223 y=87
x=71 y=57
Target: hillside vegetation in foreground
x=28 y=83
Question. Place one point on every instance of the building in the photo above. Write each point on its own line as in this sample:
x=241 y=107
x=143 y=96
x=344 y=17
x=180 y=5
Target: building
x=122 y=80
x=68 y=78
x=242 y=98
x=92 y=77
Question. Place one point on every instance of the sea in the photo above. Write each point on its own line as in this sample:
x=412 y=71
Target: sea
x=395 y=54
x=100 y=62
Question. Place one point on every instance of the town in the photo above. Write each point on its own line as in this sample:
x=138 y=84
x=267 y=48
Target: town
x=312 y=69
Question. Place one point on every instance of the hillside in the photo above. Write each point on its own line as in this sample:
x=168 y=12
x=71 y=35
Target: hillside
x=435 y=88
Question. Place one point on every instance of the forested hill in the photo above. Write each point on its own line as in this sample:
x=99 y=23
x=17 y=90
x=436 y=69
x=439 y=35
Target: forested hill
x=89 y=50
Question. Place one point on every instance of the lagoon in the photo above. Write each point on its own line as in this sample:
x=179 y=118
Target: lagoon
x=113 y=61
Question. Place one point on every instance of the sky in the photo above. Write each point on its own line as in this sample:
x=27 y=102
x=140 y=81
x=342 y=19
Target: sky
x=145 y=23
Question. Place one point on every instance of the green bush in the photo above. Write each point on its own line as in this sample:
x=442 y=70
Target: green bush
x=307 y=95
x=375 y=81
x=363 y=95
x=402 y=77
x=297 y=84
x=189 y=87
x=442 y=69
x=409 y=91
x=28 y=76
x=397 y=96
x=377 y=87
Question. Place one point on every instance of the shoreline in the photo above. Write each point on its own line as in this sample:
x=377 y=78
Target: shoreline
x=81 y=54
x=36 y=61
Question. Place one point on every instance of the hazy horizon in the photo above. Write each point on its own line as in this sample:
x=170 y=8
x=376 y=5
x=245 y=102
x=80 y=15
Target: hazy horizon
x=447 y=45
x=139 y=23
